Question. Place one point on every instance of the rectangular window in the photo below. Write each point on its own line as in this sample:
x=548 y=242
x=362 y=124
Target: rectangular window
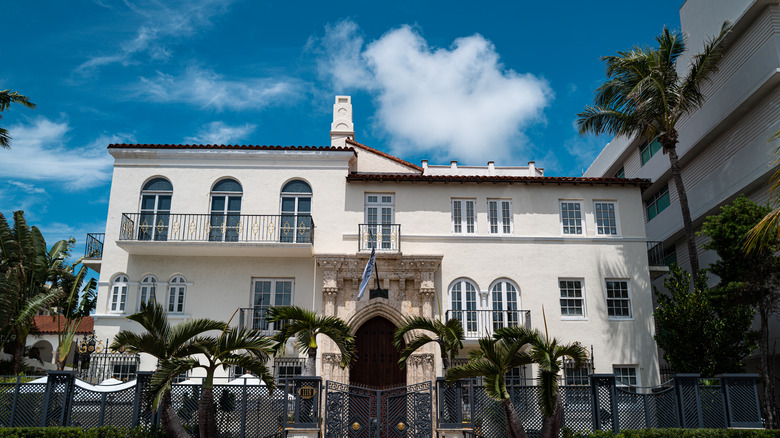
x=500 y=216
x=620 y=173
x=463 y=218
x=618 y=299
x=123 y=371
x=176 y=298
x=572 y=298
x=285 y=368
x=380 y=213
x=606 y=220
x=571 y=217
x=118 y=297
x=576 y=376
x=647 y=150
x=657 y=203
x=269 y=292
x=625 y=375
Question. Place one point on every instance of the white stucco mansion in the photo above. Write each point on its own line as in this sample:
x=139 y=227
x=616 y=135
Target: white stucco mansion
x=208 y=229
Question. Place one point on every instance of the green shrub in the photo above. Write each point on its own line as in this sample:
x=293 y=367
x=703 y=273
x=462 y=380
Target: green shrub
x=77 y=432
x=689 y=433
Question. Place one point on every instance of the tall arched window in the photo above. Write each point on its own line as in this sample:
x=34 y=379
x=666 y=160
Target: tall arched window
x=463 y=305
x=504 y=297
x=225 y=210
x=147 y=290
x=155 y=209
x=296 y=220
x=118 y=294
x=177 y=291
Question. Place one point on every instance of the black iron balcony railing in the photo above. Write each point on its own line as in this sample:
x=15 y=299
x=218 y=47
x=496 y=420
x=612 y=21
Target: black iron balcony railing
x=655 y=253
x=383 y=237
x=217 y=227
x=255 y=318
x=480 y=323
x=93 y=248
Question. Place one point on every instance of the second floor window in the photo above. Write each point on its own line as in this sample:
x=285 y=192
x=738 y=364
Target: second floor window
x=155 y=209
x=463 y=216
x=648 y=150
x=618 y=299
x=571 y=217
x=380 y=213
x=118 y=294
x=504 y=297
x=225 y=211
x=606 y=220
x=572 y=299
x=657 y=203
x=500 y=216
x=463 y=303
x=177 y=291
x=296 y=212
x=268 y=292
x=147 y=290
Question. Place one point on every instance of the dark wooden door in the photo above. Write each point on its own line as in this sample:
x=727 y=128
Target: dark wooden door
x=377 y=358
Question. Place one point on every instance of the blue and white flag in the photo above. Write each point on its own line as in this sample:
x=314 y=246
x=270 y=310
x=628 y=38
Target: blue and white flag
x=367 y=273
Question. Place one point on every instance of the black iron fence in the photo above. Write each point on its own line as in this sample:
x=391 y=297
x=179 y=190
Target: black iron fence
x=242 y=409
x=93 y=248
x=217 y=228
x=481 y=323
x=382 y=237
x=729 y=400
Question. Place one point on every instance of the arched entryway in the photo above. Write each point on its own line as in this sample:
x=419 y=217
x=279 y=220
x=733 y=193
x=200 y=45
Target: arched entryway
x=377 y=358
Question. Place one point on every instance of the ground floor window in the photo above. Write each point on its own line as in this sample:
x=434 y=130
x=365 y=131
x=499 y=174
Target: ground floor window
x=625 y=375
x=123 y=371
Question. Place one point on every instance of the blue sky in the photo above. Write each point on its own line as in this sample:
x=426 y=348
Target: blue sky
x=467 y=81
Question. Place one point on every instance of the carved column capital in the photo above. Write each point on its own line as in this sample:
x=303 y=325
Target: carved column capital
x=332 y=359
x=421 y=359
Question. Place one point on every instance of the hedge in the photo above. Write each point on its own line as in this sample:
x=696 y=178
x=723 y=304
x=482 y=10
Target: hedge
x=77 y=432
x=685 y=433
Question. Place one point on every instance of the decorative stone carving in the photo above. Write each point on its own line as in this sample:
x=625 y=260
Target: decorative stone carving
x=421 y=359
x=331 y=359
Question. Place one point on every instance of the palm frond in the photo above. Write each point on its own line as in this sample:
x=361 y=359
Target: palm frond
x=702 y=66
x=413 y=346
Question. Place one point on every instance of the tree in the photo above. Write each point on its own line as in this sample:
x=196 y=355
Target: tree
x=7 y=97
x=748 y=278
x=767 y=230
x=27 y=270
x=305 y=325
x=246 y=348
x=548 y=354
x=698 y=332
x=493 y=360
x=449 y=336
x=645 y=98
x=164 y=343
x=69 y=311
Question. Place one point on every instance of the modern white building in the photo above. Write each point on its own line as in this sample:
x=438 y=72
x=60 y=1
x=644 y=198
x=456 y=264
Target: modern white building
x=208 y=229
x=725 y=147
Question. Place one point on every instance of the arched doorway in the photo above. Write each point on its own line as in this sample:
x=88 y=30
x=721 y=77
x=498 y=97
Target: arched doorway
x=377 y=358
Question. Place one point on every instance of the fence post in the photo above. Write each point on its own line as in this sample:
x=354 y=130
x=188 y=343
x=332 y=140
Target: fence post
x=605 y=408
x=242 y=429
x=687 y=389
x=17 y=388
x=141 y=381
x=53 y=380
x=306 y=391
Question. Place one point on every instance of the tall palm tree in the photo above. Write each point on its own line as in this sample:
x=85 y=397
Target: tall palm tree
x=246 y=348
x=27 y=270
x=644 y=97
x=448 y=336
x=548 y=354
x=164 y=342
x=305 y=325
x=493 y=360
x=7 y=97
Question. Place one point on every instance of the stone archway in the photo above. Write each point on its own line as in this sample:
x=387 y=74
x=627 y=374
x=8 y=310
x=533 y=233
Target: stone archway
x=377 y=358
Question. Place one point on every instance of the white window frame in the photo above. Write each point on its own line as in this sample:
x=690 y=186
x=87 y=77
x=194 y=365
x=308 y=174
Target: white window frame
x=178 y=285
x=619 y=375
x=503 y=319
x=630 y=315
x=596 y=218
x=148 y=285
x=272 y=294
x=118 y=301
x=463 y=222
x=584 y=315
x=581 y=218
x=503 y=216
x=471 y=321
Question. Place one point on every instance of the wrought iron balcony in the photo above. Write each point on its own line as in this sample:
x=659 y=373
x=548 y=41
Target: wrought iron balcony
x=217 y=228
x=383 y=237
x=655 y=253
x=93 y=248
x=254 y=318
x=481 y=323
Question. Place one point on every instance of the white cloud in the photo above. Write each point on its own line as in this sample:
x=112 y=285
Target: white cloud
x=458 y=102
x=162 y=20
x=220 y=133
x=207 y=89
x=40 y=153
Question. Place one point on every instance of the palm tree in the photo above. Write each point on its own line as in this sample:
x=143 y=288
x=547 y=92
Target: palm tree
x=164 y=343
x=27 y=270
x=548 y=354
x=764 y=235
x=7 y=97
x=644 y=97
x=493 y=360
x=70 y=311
x=246 y=348
x=305 y=325
x=449 y=336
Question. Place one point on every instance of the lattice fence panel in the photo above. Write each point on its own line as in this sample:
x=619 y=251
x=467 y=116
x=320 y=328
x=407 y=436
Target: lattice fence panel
x=603 y=403
x=265 y=413
x=29 y=404
x=631 y=409
x=662 y=409
x=60 y=388
x=689 y=395
x=453 y=399
x=184 y=399
x=713 y=409
x=487 y=415
x=742 y=401
x=577 y=404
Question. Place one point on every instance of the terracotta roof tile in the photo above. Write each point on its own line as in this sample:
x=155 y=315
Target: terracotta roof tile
x=227 y=147
x=388 y=156
x=385 y=177
x=46 y=325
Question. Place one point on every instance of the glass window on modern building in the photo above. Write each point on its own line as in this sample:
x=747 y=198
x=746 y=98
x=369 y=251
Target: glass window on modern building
x=657 y=203
x=648 y=150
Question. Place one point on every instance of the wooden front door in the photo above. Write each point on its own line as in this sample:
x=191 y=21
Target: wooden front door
x=377 y=358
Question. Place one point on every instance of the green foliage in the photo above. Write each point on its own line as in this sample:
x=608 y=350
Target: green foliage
x=687 y=433
x=698 y=336
x=448 y=336
x=77 y=432
x=7 y=97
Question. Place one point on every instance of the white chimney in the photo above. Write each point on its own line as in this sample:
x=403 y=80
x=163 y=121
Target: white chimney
x=454 y=167
x=531 y=168
x=342 y=126
x=491 y=167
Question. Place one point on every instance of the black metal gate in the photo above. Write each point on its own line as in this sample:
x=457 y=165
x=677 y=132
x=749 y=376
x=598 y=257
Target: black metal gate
x=357 y=412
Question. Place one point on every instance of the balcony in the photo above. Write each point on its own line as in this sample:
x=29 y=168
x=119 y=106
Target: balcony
x=483 y=323
x=383 y=237
x=93 y=251
x=254 y=318
x=217 y=234
x=656 y=259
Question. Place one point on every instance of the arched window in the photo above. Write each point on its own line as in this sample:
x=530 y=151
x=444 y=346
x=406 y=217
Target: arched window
x=118 y=294
x=177 y=291
x=296 y=223
x=504 y=297
x=155 y=209
x=147 y=290
x=463 y=305
x=225 y=210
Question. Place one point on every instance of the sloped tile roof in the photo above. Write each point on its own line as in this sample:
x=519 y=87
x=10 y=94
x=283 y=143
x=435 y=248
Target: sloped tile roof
x=47 y=325
x=227 y=147
x=385 y=177
x=383 y=154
